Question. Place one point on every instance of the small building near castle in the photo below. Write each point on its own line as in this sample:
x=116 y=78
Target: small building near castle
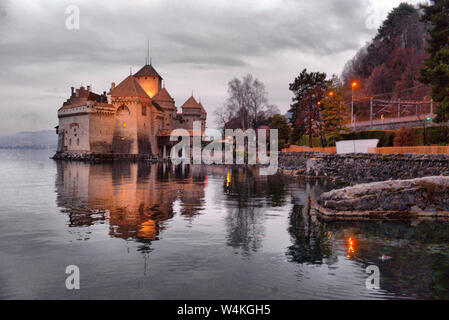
x=136 y=117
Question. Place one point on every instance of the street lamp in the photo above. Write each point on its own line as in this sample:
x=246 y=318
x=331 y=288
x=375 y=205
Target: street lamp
x=354 y=84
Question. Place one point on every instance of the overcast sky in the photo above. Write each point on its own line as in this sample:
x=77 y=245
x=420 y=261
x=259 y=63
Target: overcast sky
x=195 y=45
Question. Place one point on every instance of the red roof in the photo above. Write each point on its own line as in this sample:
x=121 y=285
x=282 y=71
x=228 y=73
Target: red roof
x=163 y=95
x=191 y=103
x=129 y=88
x=147 y=71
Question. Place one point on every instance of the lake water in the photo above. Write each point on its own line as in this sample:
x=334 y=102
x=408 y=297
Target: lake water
x=146 y=231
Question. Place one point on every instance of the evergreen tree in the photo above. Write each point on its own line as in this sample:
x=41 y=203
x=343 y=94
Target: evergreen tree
x=436 y=70
x=333 y=110
x=308 y=89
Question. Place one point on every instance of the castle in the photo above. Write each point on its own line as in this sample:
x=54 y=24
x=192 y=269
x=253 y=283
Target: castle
x=135 y=118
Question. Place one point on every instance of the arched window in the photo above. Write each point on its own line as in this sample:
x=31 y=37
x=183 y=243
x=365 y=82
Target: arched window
x=123 y=110
x=78 y=141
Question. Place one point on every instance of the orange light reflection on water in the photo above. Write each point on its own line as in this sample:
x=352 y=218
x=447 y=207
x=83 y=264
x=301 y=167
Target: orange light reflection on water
x=350 y=243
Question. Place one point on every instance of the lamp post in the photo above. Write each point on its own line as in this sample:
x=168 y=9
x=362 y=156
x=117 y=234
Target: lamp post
x=354 y=84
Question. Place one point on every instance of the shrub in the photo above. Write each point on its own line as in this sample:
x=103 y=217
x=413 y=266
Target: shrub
x=405 y=137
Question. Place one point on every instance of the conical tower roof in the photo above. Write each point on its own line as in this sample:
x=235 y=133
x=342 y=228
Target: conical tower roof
x=163 y=95
x=191 y=103
x=147 y=71
x=130 y=88
x=202 y=108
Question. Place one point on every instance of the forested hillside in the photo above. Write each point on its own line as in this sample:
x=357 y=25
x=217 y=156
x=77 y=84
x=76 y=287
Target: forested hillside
x=390 y=63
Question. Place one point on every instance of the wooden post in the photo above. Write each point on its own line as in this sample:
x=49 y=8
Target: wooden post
x=399 y=108
x=371 y=111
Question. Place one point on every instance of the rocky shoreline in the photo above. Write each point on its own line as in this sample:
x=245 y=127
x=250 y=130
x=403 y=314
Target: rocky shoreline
x=380 y=186
x=104 y=157
x=421 y=197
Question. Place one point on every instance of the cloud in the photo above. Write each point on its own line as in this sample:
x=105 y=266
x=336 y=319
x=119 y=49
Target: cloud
x=196 y=45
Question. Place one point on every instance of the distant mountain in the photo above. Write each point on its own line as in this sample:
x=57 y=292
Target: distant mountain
x=29 y=140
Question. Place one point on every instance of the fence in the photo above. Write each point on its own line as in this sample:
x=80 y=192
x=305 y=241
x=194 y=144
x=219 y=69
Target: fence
x=383 y=150
x=294 y=148
x=373 y=111
x=417 y=150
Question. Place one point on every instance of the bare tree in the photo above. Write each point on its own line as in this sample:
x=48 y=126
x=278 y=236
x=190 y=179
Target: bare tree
x=257 y=98
x=246 y=104
x=222 y=116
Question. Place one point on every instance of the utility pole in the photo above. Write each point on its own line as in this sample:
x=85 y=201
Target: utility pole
x=371 y=111
x=399 y=108
x=352 y=107
x=353 y=85
x=431 y=108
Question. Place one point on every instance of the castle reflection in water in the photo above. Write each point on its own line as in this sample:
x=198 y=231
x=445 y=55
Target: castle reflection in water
x=134 y=199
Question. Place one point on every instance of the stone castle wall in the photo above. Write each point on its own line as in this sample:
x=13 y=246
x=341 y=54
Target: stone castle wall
x=101 y=132
x=74 y=133
x=359 y=168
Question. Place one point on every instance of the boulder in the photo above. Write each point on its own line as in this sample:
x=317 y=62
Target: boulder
x=427 y=196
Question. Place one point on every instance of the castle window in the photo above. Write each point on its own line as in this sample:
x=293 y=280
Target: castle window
x=70 y=142
x=78 y=141
x=144 y=110
x=123 y=110
x=124 y=124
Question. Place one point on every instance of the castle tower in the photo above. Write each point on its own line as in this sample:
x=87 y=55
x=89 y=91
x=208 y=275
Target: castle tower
x=149 y=80
x=132 y=123
x=194 y=111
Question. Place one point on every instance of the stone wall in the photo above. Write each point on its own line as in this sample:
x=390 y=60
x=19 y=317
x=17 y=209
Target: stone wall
x=74 y=132
x=359 y=168
x=104 y=157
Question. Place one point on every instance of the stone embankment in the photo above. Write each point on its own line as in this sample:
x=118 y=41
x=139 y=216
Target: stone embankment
x=427 y=197
x=100 y=157
x=361 y=168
